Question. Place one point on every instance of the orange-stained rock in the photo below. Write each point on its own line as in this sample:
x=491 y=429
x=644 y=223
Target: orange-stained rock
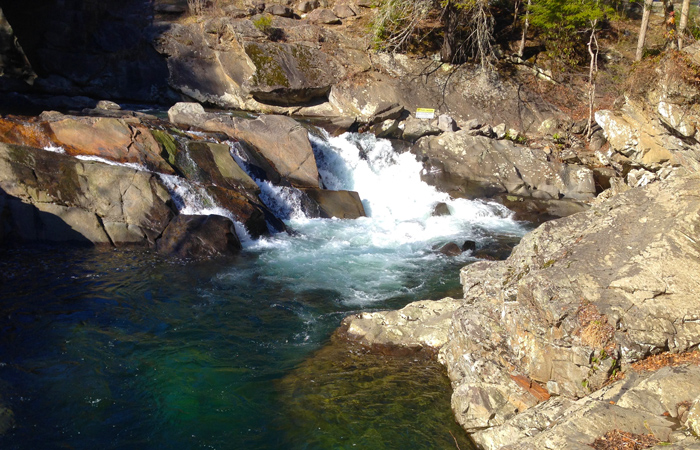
x=29 y=132
x=109 y=138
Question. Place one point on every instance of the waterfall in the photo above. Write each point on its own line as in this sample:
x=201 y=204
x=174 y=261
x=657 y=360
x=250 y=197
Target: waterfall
x=192 y=199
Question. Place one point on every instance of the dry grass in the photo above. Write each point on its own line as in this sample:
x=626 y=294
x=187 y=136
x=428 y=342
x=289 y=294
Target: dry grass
x=595 y=331
x=622 y=440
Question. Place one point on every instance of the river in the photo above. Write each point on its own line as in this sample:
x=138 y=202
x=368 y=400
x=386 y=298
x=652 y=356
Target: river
x=126 y=349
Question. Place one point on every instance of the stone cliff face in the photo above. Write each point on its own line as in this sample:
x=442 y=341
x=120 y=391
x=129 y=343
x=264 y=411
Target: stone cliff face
x=97 y=48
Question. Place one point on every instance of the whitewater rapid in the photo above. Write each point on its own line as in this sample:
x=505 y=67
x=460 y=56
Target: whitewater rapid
x=373 y=258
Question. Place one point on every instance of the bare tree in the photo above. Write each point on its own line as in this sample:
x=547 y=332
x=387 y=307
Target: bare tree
x=526 y=25
x=643 y=29
x=592 y=72
x=683 y=23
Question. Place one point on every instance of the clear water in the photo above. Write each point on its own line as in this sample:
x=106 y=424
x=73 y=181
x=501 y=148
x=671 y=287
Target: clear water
x=118 y=349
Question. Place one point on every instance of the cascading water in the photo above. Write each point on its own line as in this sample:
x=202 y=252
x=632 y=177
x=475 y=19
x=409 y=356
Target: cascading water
x=173 y=355
x=379 y=257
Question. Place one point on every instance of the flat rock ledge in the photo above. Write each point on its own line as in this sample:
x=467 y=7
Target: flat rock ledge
x=420 y=326
x=532 y=346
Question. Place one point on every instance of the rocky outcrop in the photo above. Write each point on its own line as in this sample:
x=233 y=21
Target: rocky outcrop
x=658 y=127
x=476 y=166
x=579 y=298
x=223 y=62
x=642 y=403
x=419 y=326
x=99 y=48
x=199 y=237
x=51 y=196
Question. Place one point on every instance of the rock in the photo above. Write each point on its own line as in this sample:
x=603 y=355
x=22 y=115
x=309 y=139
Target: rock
x=108 y=105
x=636 y=405
x=86 y=47
x=389 y=129
x=644 y=141
x=486 y=131
x=231 y=66
x=469 y=246
x=446 y=123
x=338 y=204
x=277 y=145
x=500 y=131
x=473 y=124
x=441 y=209
x=56 y=197
x=113 y=139
x=415 y=129
x=692 y=421
x=548 y=127
x=474 y=166
x=640 y=177
x=199 y=237
x=307 y=6
x=323 y=16
x=214 y=165
x=387 y=111
x=420 y=325
x=188 y=114
x=450 y=249
x=279 y=10
x=343 y=11
x=290 y=74
x=618 y=310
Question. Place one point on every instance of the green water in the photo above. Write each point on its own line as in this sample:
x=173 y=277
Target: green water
x=111 y=349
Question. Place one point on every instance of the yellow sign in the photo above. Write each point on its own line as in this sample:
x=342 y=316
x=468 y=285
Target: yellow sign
x=425 y=113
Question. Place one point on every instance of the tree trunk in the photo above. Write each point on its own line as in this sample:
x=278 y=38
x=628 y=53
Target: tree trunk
x=643 y=29
x=526 y=25
x=449 y=19
x=683 y=23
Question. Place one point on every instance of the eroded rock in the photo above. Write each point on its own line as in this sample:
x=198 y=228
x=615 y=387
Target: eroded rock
x=475 y=166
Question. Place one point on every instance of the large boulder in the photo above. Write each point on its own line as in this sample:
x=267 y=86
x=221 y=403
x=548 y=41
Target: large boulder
x=117 y=140
x=475 y=166
x=279 y=146
x=56 y=197
x=199 y=237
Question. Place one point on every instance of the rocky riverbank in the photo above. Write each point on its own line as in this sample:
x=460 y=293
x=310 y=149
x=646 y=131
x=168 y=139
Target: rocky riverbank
x=536 y=347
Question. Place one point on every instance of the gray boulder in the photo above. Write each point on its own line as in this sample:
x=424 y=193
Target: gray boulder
x=188 y=114
x=323 y=16
x=55 y=197
x=307 y=6
x=475 y=166
x=338 y=204
x=415 y=129
x=278 y=145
